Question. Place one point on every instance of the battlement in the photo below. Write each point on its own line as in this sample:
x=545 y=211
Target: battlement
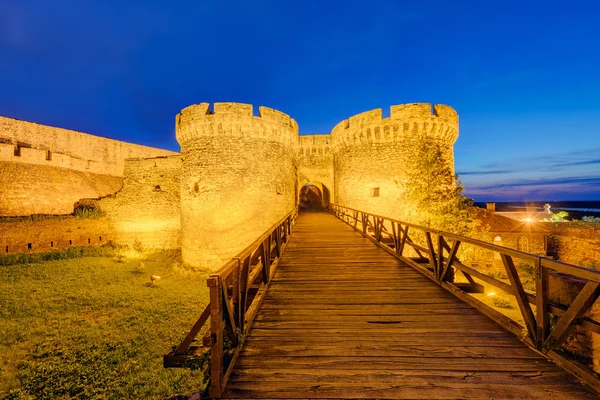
x=235 y=119
x=31 y=143
x=415 y=120
x=314 y=145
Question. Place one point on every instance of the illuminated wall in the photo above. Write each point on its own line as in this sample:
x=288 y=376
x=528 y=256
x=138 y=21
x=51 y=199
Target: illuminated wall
x=45 y=170
x=238 y=177
x=147 y=208
x=372 y=154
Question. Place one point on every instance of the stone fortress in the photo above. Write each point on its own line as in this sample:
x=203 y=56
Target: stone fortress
x=236 y=175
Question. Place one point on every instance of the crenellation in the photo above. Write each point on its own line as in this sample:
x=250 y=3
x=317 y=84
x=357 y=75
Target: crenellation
x=235 y=119
x=365 y=118
x=415 y=119
x=233 y=162
x=412 y=110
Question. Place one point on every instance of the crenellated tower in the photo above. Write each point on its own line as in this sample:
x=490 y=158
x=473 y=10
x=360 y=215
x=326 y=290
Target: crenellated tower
x=238 y=177
x=372 y=154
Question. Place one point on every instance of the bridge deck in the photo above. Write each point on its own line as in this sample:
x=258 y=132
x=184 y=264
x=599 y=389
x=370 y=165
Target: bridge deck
x=344 y=319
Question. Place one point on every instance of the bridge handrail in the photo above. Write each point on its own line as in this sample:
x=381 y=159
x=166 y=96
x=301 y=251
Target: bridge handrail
x=393 y=235
x=236 y=292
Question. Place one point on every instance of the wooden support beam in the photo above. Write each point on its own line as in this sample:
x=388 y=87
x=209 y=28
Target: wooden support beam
x=229 y=317
x=432 y=258
x=440 y=258
x=451 y=259
x=582 y=303
x=521 y=296
x=403 y=240
x=189 y=338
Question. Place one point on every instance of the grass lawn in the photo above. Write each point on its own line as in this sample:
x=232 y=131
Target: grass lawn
x=94 y=327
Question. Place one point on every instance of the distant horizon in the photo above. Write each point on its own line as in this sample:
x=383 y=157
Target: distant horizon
x=535 y=201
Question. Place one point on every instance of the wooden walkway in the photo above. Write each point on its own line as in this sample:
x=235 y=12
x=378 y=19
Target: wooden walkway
x=344 y=319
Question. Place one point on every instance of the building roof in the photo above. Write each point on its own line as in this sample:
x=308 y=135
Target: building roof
x=498 y=222
x=526 y=216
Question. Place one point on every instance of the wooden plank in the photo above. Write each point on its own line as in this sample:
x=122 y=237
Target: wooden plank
x=343 y=319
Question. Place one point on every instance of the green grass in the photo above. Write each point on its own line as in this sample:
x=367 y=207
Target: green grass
x=94 y=327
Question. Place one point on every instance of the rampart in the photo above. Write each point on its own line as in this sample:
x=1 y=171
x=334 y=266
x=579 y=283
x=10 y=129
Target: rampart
x=406 y=122
x=31 y=143
x=234 y=164
x=46 y=170
x=373 y=155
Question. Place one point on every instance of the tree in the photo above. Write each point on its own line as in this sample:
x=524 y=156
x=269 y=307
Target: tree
x=433 y=193
x=557 y=217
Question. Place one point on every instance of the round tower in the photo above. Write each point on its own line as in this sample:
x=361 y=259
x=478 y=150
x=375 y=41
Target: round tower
x=374 y=155
x=238 y=177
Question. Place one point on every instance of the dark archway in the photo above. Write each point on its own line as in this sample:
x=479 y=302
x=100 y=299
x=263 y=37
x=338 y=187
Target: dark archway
x=314 y=197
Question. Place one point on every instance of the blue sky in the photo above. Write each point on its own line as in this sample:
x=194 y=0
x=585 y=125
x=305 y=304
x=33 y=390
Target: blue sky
x=522 y=75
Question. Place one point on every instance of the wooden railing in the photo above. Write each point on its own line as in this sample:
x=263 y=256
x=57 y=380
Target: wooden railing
x=236 y=292
x=437 y=258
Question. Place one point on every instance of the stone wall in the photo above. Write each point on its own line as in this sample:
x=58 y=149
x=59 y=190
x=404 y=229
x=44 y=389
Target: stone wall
x=52 y=234
x=27 y=189
x=238 y=177
x=31 y=143
x=45 y=170
x=315 y=162
x=147 y=208
x=372 y=154
x=578 y=242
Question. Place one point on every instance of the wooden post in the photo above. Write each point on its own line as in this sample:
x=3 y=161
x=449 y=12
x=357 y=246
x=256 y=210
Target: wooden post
x=236 y=295
x=541 y=304
x=216 y=332
x=440 y=258
x=403 y=240
x=244 y=285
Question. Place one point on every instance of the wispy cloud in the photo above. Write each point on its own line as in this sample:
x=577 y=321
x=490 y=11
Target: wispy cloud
x=571 y=164
x=492 y=172
x=562 y=174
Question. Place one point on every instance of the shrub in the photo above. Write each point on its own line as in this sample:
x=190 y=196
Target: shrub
x=501 y=302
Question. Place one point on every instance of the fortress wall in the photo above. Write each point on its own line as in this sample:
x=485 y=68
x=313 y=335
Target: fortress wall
x=45 y=145
x=52 y=234
x=27 y=189
x=238 y=177
x=315 y=161
x=147 y=208
x=373 y=154
x=578 y=242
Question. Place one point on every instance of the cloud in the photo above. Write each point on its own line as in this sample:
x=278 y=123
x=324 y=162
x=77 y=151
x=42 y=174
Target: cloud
x=491 y=172
x=536 y=183
x=575 y=163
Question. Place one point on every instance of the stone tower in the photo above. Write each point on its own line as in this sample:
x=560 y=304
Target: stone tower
x=237 y=180
x=371 y=154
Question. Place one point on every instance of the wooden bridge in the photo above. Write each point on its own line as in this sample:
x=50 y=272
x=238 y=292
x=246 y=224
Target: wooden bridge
x=342 y=313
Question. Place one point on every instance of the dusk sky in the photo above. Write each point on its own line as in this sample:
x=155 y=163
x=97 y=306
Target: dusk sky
x=523 y=76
